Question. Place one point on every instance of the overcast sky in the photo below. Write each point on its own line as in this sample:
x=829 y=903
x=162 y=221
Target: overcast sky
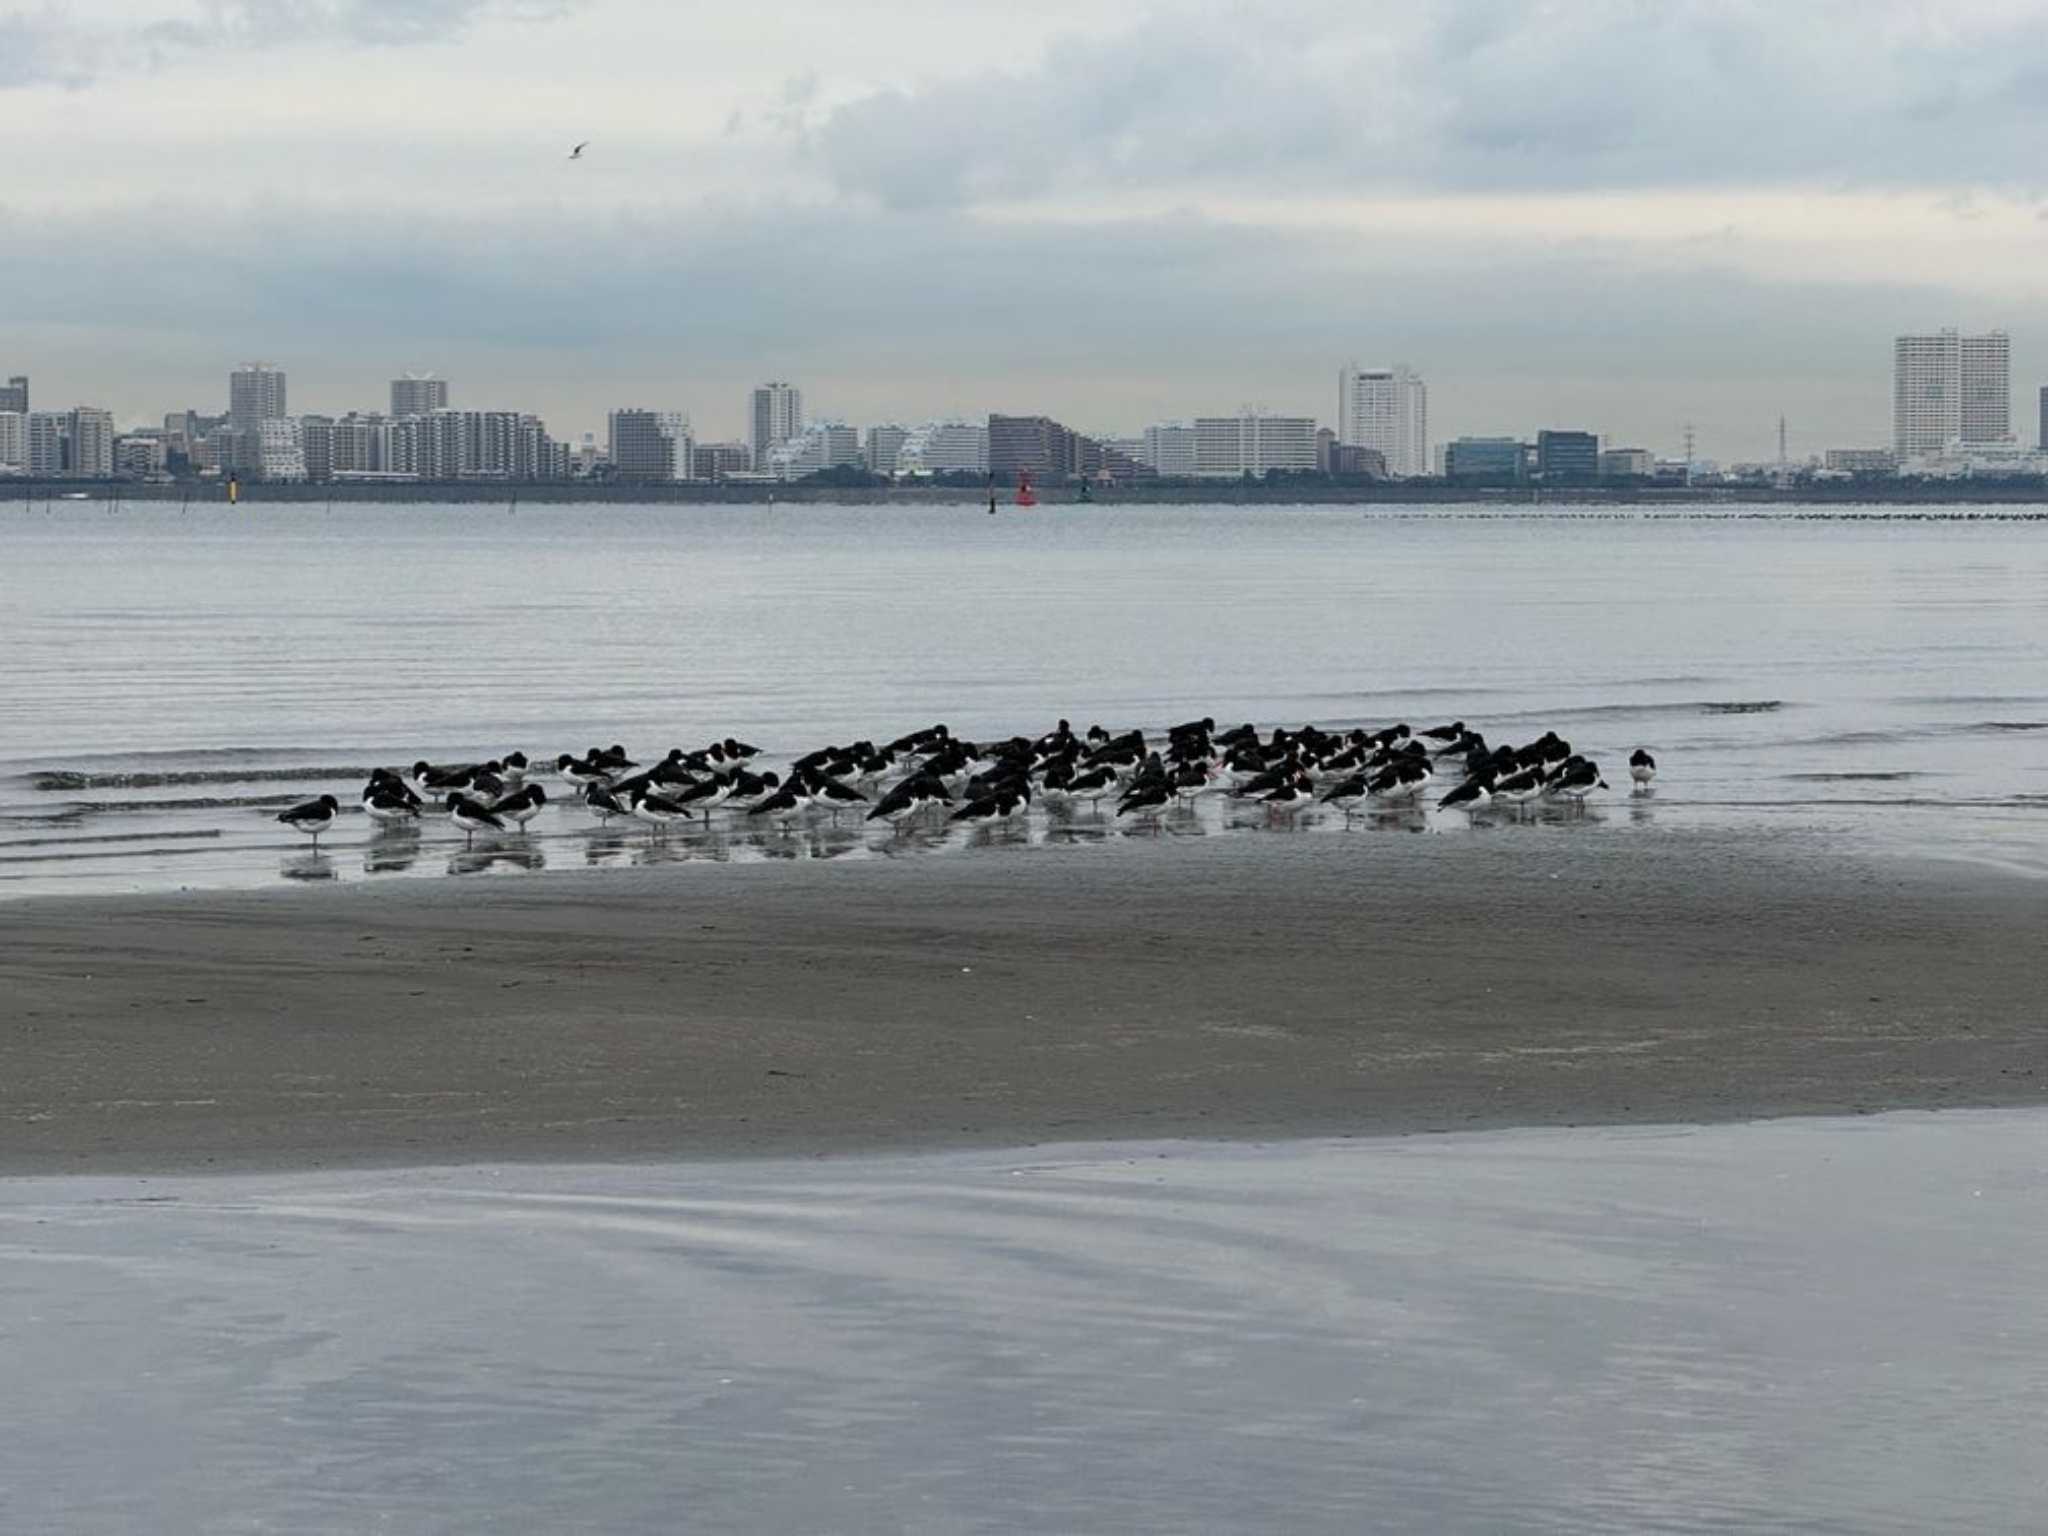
x=1617 y=214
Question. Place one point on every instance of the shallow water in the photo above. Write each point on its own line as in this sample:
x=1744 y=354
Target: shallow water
x=173 y=678
x=1801 y=1325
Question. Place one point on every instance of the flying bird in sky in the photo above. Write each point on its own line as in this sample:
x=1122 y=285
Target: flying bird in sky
x=577 y=152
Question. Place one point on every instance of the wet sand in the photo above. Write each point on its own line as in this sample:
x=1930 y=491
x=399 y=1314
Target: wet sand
x=1243 y=987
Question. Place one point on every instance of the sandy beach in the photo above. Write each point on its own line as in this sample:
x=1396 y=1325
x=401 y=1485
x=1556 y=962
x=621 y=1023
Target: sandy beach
x=1183 y=987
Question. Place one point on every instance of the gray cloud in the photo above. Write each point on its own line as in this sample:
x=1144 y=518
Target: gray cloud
x=1472 y=94
x=1108 y=326
x=48 y=47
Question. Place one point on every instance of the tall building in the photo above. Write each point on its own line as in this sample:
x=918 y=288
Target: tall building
x=418 y=394
x=13 y=441
x=650 y=446
x=1046 y=449
x=1386 y=409
x=2041 y=441
x=280 y=449
x=1949 y=388
x=717 y=461
x=883 y=444
x=255 y=395
x=1568 y=455
x=316 y=442
x=49 y=444
x=91 y=454
x=1252 y=443
x=1986 y=366
x=1170 y=448
x=14 y=397
x=820 y=445
x=774 y=415
x=141 y=455
x=944 y=447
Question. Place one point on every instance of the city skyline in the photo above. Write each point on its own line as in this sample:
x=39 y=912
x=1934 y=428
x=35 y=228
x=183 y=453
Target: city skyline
x=1172 y=213
x=1951 y=393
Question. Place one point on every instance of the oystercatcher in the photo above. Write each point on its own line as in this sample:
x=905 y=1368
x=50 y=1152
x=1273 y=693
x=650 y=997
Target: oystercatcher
x=472 y=818
x=313 y=817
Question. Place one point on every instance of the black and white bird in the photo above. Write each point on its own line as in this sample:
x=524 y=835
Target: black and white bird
x=833 y=795
x=1642 y=768
x=1472 y=795
x=313 y=817
x=1578 y=778
x=1000 y=805
x=1520 y=787
x=580 y=771
x=659 y=812
x=387 y=807
x=1147 y=798
x=601 y=800
x=521 y=806
x=1294 y=795
x=910 y=799
x=1402 y=781
x=1346 y=794
x=472 y=818
x=785 y=804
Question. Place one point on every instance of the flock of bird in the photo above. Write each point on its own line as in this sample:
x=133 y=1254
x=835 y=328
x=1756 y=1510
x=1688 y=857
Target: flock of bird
x=932 y=774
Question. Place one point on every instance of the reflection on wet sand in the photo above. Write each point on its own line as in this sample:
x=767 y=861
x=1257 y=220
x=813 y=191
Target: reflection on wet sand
x=525 y=855
x=392 y=851
x=402 y=849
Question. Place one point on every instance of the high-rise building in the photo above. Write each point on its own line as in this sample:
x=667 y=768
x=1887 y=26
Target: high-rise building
x=944 y=447
x=775 y=414
x=280 y=449
x=255 y=395
x=718 y=461
x=1568 y=455
x=316 y=442
x=91 y=454
x=1170 y=448
x=418 y=394
x=650 y=446
x=14 y=396
x=141 y=455
x=1045 y=449
x=820 y=445
x=1253 y=443
x=1986 y=367
x=1949 y=388
x=49 y=444
x=1386 y=409
x=882 y=446
x=13 y=441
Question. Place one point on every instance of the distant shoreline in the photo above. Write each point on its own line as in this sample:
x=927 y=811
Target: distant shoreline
x=1405 y=494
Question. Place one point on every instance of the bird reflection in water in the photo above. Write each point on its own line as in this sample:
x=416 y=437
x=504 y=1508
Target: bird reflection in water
x=475 y=861
x=392 y=851
x=311 y=866
x=608 y=845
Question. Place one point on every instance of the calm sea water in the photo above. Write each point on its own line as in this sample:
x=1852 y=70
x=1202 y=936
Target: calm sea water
x=171 y=678
x=1802 y=1326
